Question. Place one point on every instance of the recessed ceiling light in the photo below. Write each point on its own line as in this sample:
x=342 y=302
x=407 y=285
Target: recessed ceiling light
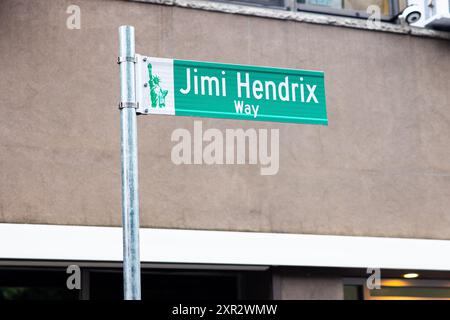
x=410 y=275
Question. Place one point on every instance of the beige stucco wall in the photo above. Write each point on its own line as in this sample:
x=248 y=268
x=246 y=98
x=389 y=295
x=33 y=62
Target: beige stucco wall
x=381 y=168
x=298 y=285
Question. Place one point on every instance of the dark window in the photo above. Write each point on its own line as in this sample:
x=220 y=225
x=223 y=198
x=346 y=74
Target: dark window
x=353 y=292
x=43 y=283
x=35 y=284
x=278 y=4
x=184 y=285
x=167 y=286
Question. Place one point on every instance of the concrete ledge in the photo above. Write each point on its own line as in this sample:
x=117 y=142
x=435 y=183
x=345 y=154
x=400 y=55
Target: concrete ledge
x=306 y=17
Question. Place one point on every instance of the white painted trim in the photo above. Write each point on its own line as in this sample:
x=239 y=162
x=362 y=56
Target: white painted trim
x=83 y=243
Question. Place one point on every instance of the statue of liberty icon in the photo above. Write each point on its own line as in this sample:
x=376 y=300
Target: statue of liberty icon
x=157 y=94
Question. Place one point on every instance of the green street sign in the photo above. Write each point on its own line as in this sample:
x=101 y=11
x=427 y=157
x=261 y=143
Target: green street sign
x=217 y=90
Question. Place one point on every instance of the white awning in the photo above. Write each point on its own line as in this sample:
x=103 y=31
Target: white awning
x=104 y=244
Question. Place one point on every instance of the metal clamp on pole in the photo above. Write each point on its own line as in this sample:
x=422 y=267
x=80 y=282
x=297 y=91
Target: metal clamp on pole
x=126 y=59
x=123 y=105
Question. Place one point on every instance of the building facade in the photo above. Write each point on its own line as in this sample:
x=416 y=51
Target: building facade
x=369 y=191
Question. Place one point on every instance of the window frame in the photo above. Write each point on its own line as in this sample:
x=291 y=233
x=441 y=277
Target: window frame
x=285 y=5
x=405 y=283
x=394 y=8
x=292 y=5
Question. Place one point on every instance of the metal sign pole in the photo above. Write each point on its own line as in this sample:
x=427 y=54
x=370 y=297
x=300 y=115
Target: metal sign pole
x=129 y=158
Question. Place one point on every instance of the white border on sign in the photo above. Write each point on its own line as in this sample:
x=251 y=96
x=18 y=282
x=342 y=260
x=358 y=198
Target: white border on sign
x=163 y=68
